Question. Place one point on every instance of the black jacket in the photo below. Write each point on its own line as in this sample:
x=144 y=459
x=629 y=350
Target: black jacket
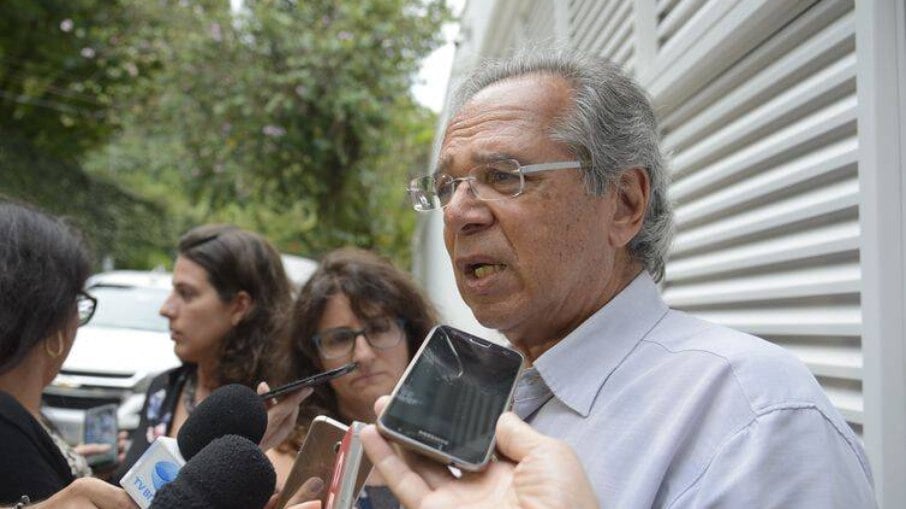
x=30 y=462
x=157 y=415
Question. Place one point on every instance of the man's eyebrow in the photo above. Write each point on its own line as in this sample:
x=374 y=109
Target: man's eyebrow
x=476 y=159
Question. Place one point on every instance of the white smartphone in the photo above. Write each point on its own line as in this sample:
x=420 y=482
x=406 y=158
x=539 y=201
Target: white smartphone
x=101 y=428
x=448 y=401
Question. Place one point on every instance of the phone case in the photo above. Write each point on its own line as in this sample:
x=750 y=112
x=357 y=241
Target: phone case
x=316 y=458
x=424 y=449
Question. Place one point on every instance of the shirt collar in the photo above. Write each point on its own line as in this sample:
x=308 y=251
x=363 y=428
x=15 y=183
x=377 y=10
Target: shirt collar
x=577 y=367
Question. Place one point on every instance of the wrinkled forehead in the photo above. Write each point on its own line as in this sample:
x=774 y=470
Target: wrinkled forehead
x=524 y=109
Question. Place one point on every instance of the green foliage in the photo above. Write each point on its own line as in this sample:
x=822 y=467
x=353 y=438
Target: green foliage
x=54 y=84
x=292 y=118
x=115 y=223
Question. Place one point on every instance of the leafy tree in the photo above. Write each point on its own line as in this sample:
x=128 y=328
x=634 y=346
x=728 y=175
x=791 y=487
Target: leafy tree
x=56 y=80
x=117 y=224
x=291 y=118
x=54 y=76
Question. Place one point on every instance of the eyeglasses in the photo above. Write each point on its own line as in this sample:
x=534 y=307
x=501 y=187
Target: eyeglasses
x=86 y=305
x=495 y=180
x=381 y=334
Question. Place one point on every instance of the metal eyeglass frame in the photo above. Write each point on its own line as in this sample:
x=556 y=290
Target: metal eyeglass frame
x=421 y=202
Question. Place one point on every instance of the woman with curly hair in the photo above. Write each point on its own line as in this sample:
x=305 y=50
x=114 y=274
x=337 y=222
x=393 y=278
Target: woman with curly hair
x=355 y=307
x=228 y=311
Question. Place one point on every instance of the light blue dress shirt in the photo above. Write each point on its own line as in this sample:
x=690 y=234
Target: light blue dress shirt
x=667 y=410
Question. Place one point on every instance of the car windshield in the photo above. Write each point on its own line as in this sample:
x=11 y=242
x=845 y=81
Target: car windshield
x=129 y=307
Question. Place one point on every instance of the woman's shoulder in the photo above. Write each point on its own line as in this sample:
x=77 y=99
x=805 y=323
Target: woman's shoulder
x=15 y=419
x=31 y=463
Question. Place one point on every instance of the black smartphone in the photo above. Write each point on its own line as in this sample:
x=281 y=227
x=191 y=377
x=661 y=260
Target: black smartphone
x=448 y=401
x=101 y=428
x=310 y=381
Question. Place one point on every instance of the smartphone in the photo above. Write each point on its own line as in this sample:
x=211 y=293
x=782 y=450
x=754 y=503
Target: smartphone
x=316 y=459
x=101 y=428
x=448 y=401
x=310 y=381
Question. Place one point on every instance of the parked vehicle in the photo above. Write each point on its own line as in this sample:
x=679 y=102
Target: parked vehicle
x=116 y=354
x=125 y=345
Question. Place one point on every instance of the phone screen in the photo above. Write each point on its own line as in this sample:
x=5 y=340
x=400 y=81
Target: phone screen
x=452 y=395
x=101 y=428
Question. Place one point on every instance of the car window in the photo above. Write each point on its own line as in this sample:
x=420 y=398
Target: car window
x=129 y=307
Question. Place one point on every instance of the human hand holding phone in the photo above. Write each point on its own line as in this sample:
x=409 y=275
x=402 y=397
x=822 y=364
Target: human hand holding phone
x=549 y=473
x=282 y=413
x=447 y=402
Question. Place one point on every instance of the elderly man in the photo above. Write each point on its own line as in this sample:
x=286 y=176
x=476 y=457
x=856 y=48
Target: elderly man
x=554 y=197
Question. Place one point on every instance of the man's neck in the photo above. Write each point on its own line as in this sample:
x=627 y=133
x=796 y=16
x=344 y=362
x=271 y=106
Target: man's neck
x=534 y=347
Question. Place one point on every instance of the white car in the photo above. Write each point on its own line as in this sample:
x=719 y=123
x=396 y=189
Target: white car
x=116 y=354
x=125 y=345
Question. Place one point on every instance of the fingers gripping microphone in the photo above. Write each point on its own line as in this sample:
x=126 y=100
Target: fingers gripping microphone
x=230 y=410
x=229 y=473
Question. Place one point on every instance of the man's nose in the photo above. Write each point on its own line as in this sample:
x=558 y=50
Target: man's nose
x=465 y=212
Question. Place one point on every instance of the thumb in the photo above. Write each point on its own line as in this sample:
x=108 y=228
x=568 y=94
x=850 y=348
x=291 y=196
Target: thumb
x=515 y=438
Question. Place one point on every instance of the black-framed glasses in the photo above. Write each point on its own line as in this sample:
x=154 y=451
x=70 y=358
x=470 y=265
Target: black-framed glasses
x=381 y=334
x=86 y=305
x=495 y=180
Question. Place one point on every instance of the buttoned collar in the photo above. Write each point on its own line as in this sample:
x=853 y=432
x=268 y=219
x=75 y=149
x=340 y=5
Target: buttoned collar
x=576 y=368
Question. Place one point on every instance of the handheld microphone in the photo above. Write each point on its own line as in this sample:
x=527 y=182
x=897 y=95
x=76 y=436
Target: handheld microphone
x=230 y=410
x=229 y=473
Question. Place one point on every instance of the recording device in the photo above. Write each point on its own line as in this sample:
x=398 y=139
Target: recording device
x=229 y=473
x=230 y=410
x=311 y=381
x=317 y=458
x=344 y=486
x=101 y=428
x=448 y=401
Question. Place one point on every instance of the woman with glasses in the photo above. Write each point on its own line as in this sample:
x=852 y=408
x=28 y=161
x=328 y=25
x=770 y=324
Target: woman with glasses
x=356 y=307
x=227 y=313
x=43 y=269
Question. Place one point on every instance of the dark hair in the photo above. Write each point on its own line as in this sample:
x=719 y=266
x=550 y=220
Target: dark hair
x=375 y=288
x=43 y=265
x=611 y=126
x=238 y=260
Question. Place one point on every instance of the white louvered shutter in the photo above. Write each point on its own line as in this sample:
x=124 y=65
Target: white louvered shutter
x=764 y=161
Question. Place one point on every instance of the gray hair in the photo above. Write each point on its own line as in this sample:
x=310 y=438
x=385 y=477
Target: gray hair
x=611 y=127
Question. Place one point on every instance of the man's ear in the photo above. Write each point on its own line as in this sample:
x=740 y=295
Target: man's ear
x=633 y=192
x=242 y=305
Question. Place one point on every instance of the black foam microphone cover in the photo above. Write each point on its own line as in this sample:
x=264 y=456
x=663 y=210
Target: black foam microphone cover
x=229 y=473
x=233 y=409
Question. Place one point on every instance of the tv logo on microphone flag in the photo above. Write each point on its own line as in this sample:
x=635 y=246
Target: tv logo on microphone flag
x=157 y=466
